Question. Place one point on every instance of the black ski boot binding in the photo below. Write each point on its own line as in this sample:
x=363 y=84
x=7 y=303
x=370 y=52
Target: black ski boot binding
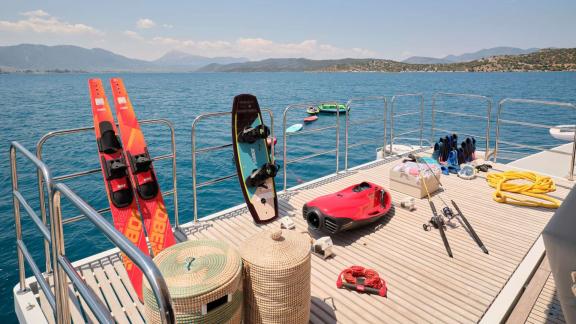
x=259 y=176
x=117 y=169
x=143 y=163
x=252 y=134
x=108 y=141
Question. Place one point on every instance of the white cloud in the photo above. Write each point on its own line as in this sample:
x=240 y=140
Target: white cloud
x=145 y=23
x=257 y=48
x=35 y=13
x=133 y=34
x=39 y=21
x=167 y=26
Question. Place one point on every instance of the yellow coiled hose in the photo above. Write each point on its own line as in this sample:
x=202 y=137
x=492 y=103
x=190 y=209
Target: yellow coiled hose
x=537 y=188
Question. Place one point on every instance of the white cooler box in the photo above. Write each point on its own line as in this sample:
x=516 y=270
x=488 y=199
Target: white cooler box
x=404 y=178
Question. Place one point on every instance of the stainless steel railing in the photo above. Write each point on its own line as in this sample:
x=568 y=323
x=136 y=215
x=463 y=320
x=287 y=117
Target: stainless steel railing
x=485 y=99
x=304 y=106
x=142 y=261
x=172 y=155
x=63 y=269
x=499 y=120
x=41 y=224
x=349 y=105
x=393 y=115
x=196 y=151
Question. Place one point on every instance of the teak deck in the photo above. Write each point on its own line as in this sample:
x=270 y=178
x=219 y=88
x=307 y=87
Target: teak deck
x=425 y=285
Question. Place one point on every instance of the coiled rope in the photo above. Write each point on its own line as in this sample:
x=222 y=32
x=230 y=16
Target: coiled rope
x=362 y=277
x=537 y=187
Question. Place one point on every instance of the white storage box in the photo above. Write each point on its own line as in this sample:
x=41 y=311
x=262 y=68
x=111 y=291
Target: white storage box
x=405 y=178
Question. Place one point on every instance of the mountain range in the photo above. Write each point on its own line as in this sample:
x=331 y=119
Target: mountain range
x=67 y=58
x=74 y=58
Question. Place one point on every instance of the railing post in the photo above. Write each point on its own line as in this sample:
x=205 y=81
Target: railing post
x=385 y=127
x=432 y=139
x=194 y=190
x=60 y=281
x=284 y=145
x=421 y=118
x=348 y=104
x=573 y=158
x=338 y=136
x=174 y=175
x=17 y=221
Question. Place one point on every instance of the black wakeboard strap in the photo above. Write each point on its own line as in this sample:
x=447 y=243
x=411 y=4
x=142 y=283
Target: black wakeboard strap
x=252 y=134
x=260 y=175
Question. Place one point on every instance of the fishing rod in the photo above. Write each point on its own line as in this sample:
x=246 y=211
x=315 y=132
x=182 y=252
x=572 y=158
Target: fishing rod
x=436 y=221
x=447 y=211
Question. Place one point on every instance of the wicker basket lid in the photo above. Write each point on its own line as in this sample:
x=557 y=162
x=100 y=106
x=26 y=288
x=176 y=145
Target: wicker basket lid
x=276 y=249
x=197 y=267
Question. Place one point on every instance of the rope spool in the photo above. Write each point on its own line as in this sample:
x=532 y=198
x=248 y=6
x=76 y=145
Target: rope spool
x=276 y=277
x=536 y=187
x=204 y=278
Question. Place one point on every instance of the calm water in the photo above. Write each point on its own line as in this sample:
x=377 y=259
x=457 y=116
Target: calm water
x=32 y=105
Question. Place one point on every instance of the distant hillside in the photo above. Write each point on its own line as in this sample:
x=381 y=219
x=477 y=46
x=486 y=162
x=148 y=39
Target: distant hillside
x=543 y=60
x=281 y=65
x=468 y=57
x=178 y=58
x=66 y=57
x=562 y=59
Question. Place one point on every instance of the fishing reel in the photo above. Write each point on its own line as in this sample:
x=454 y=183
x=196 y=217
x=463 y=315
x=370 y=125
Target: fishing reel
x=434 y=222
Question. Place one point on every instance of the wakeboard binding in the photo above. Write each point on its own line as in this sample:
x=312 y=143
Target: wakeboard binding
x=260 y=175
x=252 y=134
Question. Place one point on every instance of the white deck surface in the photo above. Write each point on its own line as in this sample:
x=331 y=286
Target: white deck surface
x=547 y=162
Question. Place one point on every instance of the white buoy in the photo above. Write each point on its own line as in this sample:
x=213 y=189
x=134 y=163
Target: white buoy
x=563 y=132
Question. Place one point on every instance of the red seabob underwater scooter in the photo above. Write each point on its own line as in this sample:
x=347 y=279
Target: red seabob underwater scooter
x=355 y=206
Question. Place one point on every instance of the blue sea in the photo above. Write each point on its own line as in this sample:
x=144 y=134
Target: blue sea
x=32 y=105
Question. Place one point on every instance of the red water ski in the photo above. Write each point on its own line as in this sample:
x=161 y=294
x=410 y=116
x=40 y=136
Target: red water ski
x=142 y=172
x=123 y=205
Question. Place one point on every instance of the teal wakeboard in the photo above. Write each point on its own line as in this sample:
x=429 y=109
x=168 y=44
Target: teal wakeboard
x=255 y=169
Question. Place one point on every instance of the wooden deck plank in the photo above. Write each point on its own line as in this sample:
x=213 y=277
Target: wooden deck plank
x=126 y=301
x=123 y=277
x=114 y=304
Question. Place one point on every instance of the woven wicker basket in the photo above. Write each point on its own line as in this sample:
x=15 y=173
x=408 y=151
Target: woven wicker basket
x=276 y=277
x=205 y=282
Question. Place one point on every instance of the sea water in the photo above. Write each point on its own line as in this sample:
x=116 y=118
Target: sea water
x=33 y=105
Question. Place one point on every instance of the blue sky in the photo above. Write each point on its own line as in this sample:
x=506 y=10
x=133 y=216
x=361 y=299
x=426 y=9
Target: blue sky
x=315 y=28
